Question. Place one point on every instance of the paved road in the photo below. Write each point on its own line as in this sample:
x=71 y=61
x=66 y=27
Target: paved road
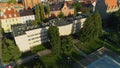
x=41 y=53
x=27 y=59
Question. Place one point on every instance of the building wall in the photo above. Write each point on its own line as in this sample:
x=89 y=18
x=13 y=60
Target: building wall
x=24 y=19
x=30 y=3
x=22 y=43
x=6 y=23
x=66 y=11
x=37 y=36
x=54 y=13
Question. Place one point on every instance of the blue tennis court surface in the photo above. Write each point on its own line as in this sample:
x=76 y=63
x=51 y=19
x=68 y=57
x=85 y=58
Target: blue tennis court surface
x=104 y=62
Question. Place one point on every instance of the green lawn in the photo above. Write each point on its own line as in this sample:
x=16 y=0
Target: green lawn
x=51 y=61
x=89 y=47
x=36 y=49
x=110 y=46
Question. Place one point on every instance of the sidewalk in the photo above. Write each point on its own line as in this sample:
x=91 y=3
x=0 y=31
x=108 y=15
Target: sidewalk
x=41 y=53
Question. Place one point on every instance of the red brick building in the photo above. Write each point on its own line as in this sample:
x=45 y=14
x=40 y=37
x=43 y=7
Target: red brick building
x=30 y=3
x=63 y=7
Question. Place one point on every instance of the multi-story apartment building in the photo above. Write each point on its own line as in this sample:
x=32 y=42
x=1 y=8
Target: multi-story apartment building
x=27 y=15
x=9 y=16
x=29 y=36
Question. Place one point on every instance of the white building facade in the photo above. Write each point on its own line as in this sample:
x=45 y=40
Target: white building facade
x=33 y=37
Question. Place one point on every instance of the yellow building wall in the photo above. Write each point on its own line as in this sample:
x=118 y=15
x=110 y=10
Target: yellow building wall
x=6 y=23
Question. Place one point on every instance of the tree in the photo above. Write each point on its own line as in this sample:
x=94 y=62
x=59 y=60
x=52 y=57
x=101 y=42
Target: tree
x=67 y=45
x=47 y=8
x=0 y=42
x=55 y=40
x=34 y=23
x=61 y=15
x=42 y=12
x=37 y=14
x=12 y=1
x=85 y=10
x=10 y=50
x=92 y=27
x=77 y=6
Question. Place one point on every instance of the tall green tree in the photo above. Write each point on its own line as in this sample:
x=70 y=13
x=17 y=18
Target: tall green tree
x=0 y=42
x=61 y=15
x=55 y=40
x=10 y=50
x=37 y=14
x=12 y=1
x=42 y=12
x=67 y=45
x=47 y=8
x=92 y=27
x=77 y=6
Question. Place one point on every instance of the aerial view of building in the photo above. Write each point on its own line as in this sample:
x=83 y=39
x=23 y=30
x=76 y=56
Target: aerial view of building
x=59 y=34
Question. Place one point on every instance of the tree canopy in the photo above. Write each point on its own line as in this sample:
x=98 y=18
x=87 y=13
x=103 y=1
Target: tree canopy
x=92 y=27
x=10 y=50
x=67 y=45
x=42 y=12
x=55 y=40
x=37 y=14
x=12 y=1
x=61 y=15
x=77 y=6
x=47 y=9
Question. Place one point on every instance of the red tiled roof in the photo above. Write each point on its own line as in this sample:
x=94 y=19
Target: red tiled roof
x=10 y=13
x=111 y=3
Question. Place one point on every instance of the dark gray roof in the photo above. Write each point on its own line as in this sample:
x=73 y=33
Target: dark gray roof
x=26 y=12
x=20 y=29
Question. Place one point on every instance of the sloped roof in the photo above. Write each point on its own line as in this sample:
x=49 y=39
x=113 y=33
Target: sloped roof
x=26 y=12
x=10 y=13
x=111 y=3
x=59 y=6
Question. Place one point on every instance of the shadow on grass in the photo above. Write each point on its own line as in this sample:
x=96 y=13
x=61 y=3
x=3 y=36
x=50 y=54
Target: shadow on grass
x=47 y=45
x=34 y=63
x=64 y=62
x=36 y=49
x=26 y=54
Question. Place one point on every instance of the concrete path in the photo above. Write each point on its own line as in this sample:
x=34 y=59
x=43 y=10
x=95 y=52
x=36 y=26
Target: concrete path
x=27 y=59
x=41 y=53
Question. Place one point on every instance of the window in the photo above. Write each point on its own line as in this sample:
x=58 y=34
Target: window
x=12 y=19
x=6 y=20
x=5 y=16
x=9 y=20
x=10 y=15
x=15 y=15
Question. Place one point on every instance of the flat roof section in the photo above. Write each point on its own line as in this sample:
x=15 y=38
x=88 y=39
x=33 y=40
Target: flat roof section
x=104 y=62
